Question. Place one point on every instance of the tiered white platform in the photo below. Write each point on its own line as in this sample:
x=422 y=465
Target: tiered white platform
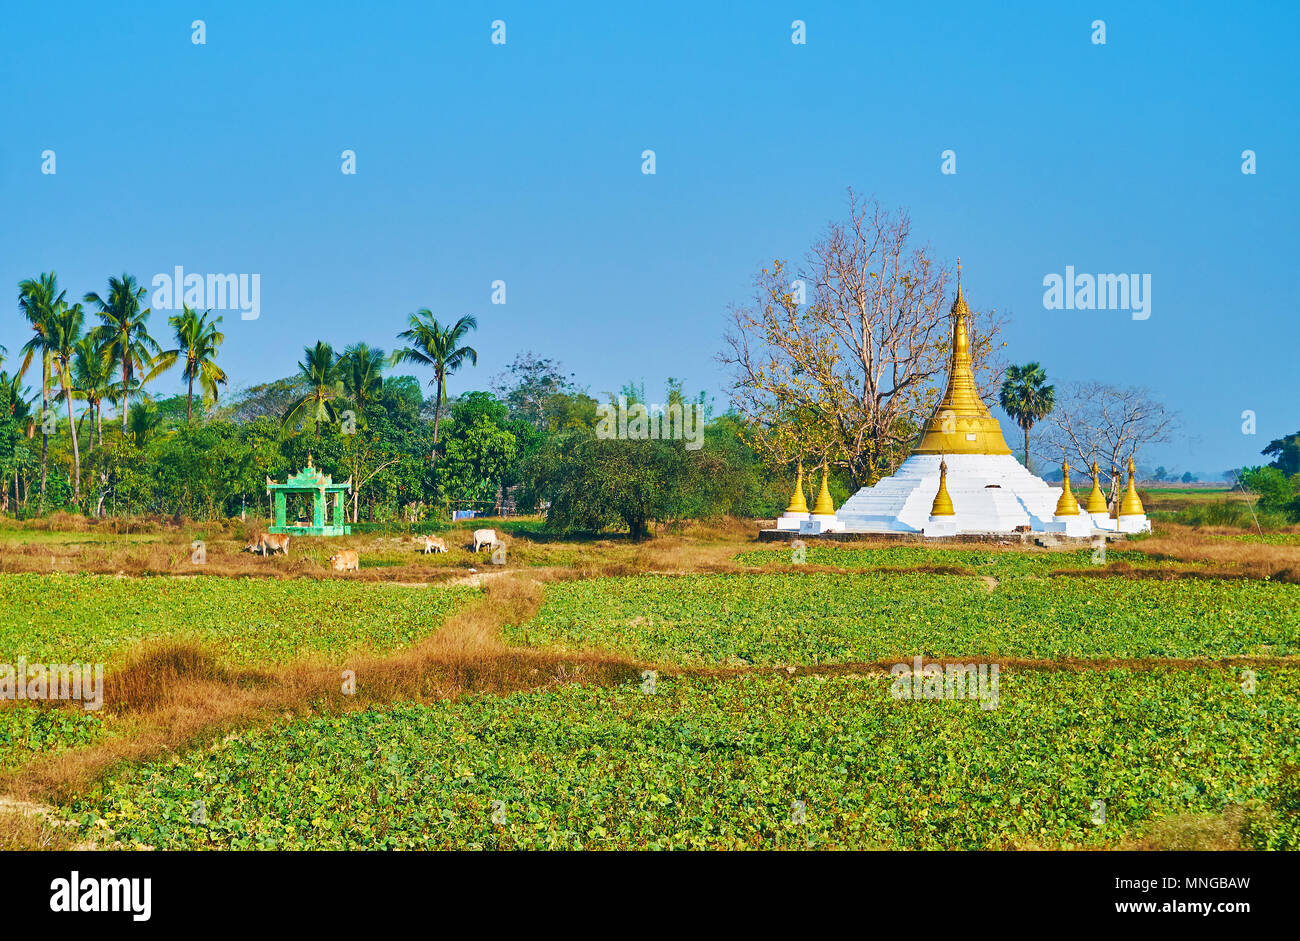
x=991 y=493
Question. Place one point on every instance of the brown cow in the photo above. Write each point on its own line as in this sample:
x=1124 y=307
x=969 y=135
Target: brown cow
x=346 y=560
x=269 y=543
x=431 y=544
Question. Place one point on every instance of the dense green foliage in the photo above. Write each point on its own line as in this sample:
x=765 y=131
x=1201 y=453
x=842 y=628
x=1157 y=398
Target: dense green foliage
x=721 y=764
x=28 y=729
x=814 y=618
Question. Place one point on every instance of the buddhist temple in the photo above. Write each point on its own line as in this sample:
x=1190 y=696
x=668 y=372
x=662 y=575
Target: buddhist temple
x=961 y=478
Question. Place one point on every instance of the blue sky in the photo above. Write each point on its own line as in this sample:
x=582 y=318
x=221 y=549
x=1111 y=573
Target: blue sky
x=521 y=162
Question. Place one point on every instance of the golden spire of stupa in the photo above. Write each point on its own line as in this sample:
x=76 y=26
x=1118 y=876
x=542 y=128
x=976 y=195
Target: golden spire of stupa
x=942 y=501
x=1096 y=499
x=1067 y=505
x=797 y=502
x=961 y=423
x=824 y=506
x=1131 y=505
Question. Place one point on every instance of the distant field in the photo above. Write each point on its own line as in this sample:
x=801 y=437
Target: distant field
x=993 y=562
x=782 y=618
x=28 y=537
x=720 y=764
x=99 y=618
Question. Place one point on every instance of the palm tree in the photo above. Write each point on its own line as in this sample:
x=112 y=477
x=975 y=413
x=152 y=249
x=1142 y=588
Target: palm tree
x=321 y=374
x=65 y=332
x=39 y=299
x=20 y=410
x=197 y=340
x=1027 y=397
x=437 y=347
x=361 y=370
x=20 y=400
x=92 y=372
x=125 y=329
x=144 y=419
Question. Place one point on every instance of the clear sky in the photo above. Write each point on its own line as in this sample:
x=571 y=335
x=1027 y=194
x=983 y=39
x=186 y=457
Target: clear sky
x=522 y=162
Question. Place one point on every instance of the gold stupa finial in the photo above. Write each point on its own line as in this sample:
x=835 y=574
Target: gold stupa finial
x=310 y=465
x=1067 y=505
x=824 y=506
x=1131 y=505
x=1096 y=499
x=797 y=502
x=961 y=423
x=942 y=500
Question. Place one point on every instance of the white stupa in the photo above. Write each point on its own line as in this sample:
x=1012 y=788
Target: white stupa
x=962 y=478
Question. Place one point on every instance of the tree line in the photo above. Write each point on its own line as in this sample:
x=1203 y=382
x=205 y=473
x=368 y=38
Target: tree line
x=529 y=444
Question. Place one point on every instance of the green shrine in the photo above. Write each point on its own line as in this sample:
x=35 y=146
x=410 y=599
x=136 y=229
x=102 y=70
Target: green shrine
x=312 y=481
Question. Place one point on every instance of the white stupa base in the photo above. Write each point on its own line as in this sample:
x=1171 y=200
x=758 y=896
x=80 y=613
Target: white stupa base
x=940 y=526
x=991 y=493
x=818 y=523
x=790 y=520
x=1103 y=521
x=1136 y=523
x=1080 y=524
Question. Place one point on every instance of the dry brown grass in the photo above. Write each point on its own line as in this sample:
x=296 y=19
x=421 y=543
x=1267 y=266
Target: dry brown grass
x=1190 y=832
x=1198 y=545
x=25 y=826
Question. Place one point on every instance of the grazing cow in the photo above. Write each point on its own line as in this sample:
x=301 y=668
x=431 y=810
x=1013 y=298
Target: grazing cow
x=269 y=543
x=346 y=560
x=432 y=544
x=484 y=537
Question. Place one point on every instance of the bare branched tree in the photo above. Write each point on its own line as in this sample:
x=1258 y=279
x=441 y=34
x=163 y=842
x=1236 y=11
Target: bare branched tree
x=1105 y=423
x=844 y=361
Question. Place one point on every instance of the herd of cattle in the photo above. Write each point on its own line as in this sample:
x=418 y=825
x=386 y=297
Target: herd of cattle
x=347 y=560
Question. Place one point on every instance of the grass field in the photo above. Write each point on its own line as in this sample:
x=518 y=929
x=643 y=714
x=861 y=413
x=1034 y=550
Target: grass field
x=507 y=712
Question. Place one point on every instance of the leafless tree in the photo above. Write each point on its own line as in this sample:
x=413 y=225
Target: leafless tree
x=1105 y=423
x=847 y=372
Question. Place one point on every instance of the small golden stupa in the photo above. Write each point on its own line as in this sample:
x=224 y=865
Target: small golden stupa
x=1096 y=499
x=797 y=502
x=824 y=506
x=942 y=500
x=1131 y=505
x=1067 y=505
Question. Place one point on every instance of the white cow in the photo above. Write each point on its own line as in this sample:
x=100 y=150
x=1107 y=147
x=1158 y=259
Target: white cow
x=484 y=537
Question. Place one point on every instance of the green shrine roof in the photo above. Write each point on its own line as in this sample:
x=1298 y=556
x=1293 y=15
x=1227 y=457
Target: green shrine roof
x=309 y=478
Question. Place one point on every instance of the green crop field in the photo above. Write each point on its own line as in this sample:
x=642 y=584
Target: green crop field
x=818 y=617
x=722 y=763
x=96 y=618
